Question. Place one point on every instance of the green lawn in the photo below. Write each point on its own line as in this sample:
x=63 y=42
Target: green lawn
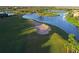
x=56 y=43
x=18 y=35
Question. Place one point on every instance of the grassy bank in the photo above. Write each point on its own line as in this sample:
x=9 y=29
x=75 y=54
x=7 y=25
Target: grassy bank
x=73 y=20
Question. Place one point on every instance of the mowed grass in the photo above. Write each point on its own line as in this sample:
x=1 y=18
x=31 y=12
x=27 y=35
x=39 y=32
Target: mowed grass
x=56 y=44
x=18 y=35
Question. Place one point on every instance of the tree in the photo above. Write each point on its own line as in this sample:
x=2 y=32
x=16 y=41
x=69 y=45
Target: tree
x=72 y=42
x=72 y=45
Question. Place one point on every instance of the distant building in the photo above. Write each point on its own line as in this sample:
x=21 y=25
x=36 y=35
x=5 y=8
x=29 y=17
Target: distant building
x=2 y=14
x=5 y=14
x=75 y=13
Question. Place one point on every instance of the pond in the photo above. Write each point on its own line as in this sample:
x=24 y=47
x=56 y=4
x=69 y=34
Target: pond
x=58 y=21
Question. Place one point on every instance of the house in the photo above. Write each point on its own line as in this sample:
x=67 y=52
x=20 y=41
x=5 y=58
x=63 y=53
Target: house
x=75 y=13
x=2 y=14
x=5 y=14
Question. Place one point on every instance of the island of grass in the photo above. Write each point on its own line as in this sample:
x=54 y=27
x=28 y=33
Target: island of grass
x=48 y=14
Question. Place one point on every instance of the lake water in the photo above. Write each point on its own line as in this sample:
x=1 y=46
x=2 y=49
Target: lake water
x=58 y=21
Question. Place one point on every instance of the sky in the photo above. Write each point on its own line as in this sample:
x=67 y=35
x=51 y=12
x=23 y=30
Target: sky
x=39 y=2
